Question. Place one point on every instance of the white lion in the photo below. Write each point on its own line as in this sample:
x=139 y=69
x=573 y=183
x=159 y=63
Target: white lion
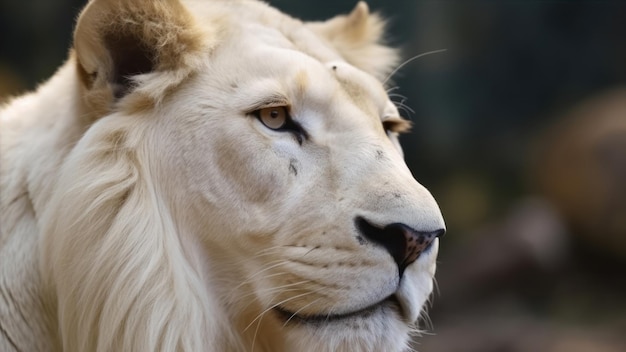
x=212 y=176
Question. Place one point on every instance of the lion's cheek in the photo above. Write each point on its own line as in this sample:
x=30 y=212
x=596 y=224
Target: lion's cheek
x=254 y=177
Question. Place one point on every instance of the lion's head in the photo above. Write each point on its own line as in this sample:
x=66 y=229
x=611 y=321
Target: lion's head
x=240 y=185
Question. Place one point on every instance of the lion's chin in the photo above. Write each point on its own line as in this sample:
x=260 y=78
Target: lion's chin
x=388 y=306
x=379 y=327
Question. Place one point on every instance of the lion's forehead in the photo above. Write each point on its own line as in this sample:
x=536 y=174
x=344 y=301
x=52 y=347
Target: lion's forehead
x=268 y=25
x=264 y=44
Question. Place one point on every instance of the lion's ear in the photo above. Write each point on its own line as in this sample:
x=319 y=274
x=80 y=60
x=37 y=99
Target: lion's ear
x=117 y=40
x=358 y=37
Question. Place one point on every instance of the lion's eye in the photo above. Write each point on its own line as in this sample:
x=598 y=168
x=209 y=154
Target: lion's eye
x=396 y=124
x=278 y=119
x=274 y=118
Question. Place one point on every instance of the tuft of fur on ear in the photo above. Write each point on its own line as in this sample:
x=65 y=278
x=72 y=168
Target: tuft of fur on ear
x=116 y=41
x=359 y=37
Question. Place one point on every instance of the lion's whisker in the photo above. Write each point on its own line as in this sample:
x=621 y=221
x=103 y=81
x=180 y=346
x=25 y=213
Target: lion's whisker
x=436 y=286
x=396 y=95
x=275 y=264
x=389 y=90
x=276 y=305
x=283 y=288
x=260 y=254
x=284 y=301
x=428 y=323
x=404 y=107
x=299 y=310
x=276 y=290
x=410 y=60
x=265 y=277
x=256 y=332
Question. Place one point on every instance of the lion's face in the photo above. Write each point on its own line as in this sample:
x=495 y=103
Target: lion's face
x=291 y=167
x=256 y=159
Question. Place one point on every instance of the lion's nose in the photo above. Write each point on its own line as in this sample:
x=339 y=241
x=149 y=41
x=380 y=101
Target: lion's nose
x=404 y=243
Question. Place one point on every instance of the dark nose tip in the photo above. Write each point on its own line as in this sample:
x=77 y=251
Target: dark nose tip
x=404 y=243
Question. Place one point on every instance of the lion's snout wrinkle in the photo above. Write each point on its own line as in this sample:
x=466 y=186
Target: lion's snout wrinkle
x=404 y=244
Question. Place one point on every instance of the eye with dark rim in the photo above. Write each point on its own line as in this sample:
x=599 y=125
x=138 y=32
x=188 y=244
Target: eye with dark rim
x=277 y=118
x=397 y=125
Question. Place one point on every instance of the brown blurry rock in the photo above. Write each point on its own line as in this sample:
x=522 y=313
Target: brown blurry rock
x=573 y=340
x=530 y=239
x=520 y=334
x=580 y=166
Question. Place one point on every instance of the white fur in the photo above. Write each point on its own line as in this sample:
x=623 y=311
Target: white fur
x=172 y=219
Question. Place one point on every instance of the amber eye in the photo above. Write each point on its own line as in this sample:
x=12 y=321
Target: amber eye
x=396 y=124
x=278 y=119
x=274 y=118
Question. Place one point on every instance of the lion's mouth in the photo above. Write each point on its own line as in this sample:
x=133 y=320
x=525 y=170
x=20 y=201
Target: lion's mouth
x=296 y=318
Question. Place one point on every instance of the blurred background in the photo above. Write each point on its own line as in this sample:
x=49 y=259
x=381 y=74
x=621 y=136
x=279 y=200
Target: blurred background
x=520 y=134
